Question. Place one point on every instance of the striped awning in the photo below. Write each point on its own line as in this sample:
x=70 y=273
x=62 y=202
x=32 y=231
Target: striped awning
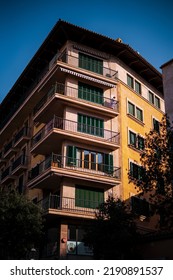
x=87 y=77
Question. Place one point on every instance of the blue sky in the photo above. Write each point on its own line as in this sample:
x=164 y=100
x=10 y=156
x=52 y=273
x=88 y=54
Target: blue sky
x=147 y=26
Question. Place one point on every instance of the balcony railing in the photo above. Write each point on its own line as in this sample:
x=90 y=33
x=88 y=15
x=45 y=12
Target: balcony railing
x=72 y=126
x=86 y=65
x=59 y=161
x=24 y=132
x=21 y=160
x=8 y=146
x=6 y=172
x=75 y=93
x=56 y=202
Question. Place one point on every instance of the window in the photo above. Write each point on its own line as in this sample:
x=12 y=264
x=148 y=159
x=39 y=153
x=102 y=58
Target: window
x=135 y=111
x=136 y=171
x=130 y=82
x=140 y=143
x=90 y=125
x=136 y=140
x=157 y=102
x=88 y=197
x=139 y=114
x=90 y=93
x=91 y=63
x=154 y=99
x=132 y=138
x=75 y=244
x=131 y=109
x=140 y=206
x=90 y=160
x=133 y=84
x=156 y=125
x=137 y=87
x=151 y=97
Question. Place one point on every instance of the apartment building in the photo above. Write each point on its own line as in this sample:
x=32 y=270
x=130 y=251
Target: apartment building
x=73 y=126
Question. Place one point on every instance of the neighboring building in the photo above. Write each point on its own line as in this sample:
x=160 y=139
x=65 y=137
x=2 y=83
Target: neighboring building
x=73 y=125
x=167 y=71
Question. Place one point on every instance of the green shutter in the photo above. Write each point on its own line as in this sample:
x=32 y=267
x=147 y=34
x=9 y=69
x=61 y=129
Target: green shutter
x=87 y=197
x=91 y=63
x=108 y=164
x=90 y=93
x=90 y=125
x=71 y=155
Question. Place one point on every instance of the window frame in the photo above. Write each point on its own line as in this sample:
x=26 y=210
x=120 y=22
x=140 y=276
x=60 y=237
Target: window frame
x=136 y=143
x=138 y=84
x=136 y=107
x=136 y=169
x=130 y=81
x=155 y=100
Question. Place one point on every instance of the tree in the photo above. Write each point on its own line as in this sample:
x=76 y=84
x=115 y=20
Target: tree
x=20 y=225
x=113 y=232
x=156 y=172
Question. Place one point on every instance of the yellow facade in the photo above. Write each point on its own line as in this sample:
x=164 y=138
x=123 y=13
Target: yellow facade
x=128 y=122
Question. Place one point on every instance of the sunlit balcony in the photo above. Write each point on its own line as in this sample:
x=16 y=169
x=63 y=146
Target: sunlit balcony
x=66 y=206
x=59 y=92
x=59 y=165
x=58 y=129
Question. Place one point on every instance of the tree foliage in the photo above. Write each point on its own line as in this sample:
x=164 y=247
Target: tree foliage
x=113 y=232
x=20 y=225
x=157 y=169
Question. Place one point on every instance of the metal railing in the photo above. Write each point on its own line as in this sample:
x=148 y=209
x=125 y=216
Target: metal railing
x=72 y=126
x=76 y=93
x=21 y=133
x=56 y=202
x=8 y=146
x=21 y=160
x=5 y=173
x=59 y=161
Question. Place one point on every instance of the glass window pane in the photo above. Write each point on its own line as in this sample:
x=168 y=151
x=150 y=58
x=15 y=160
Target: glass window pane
x=151 y=97
x=139 y=114
x=131 y=109
x=157 y=102
x=137 y=87
x=130 y=81
x=132 y=137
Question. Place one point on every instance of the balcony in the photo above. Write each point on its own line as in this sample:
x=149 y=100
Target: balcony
x=21 y=137
x=7 y=176
x=66 y=206
x=60 y=92
x=9 y=149
x=90 y=67
x=19 y=165
x=73 y=168
x=58 y=129
x=2 y=160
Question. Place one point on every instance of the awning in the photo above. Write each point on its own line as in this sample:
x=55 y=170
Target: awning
x=87 y=77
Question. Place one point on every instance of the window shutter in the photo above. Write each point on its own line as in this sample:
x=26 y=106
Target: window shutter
x=108 y=164
x=71 y=155
x=88 y=198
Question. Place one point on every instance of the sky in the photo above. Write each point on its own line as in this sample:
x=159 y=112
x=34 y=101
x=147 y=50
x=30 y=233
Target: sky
x=147 y=26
